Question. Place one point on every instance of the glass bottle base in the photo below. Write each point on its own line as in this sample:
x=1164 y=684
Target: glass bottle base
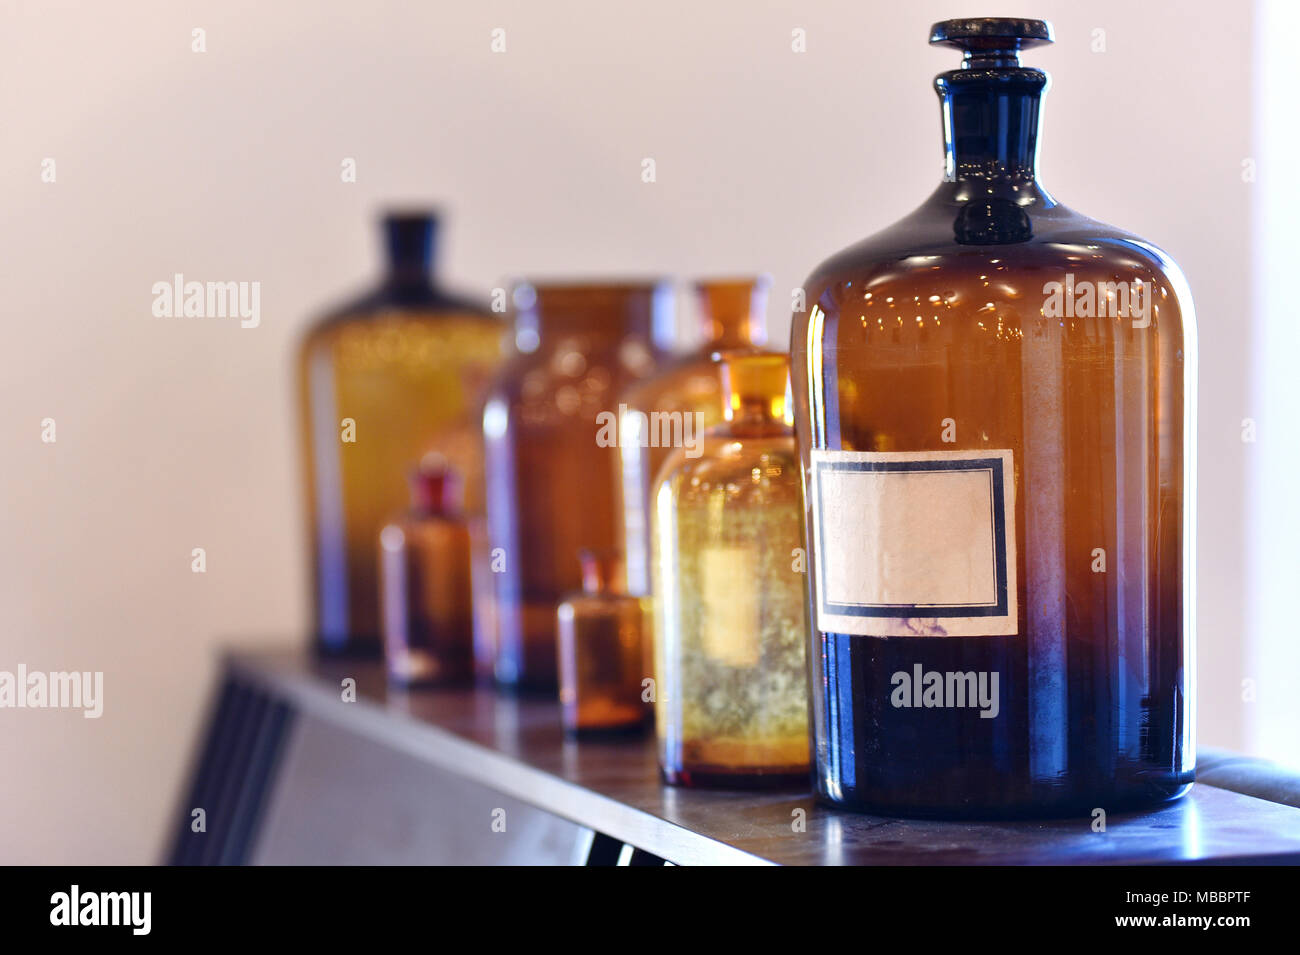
x=725 y=777
x=1049 y=806
x=597 y=734
x=353 y=648
x=430 y=678
x=525 y=650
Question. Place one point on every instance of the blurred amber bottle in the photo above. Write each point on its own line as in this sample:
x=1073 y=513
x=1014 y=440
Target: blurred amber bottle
x=427 y=597
x=672 y=408
x=601 y=659
x=551 y=427
x=731 y=704
x=383 y=380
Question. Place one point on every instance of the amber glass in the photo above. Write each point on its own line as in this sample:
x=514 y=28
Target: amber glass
x=731 y=704
x=655 y=412
x=601 y=661
x=383 y=380
x=485 y=626
x=965 y=328
x=552 y=451
x=425 y=591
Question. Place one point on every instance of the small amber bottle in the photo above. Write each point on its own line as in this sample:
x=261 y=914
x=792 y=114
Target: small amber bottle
x=426 y=597
x=601 y=661
x=731 y=704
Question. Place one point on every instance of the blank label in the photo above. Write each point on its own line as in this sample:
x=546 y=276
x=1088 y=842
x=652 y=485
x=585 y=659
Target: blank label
x=915 y=543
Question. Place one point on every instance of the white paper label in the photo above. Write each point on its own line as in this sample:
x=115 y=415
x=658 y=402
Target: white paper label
x=731 y=614
x=915 y=543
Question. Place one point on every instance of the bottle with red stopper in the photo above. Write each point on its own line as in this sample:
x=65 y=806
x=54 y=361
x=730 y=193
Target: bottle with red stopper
x=426 y=597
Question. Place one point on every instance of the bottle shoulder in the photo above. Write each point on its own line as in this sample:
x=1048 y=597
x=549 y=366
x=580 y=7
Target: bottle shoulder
x=607 y=604
x=941 y=237
x=406 y=336
x=741 y=465
x=585 y=368
x=421 y=531
x=419 y=303
x=917 y=274
x=686 y=383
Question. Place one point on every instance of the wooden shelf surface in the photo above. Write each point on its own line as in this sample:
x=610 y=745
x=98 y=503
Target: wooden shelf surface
x=516 y=746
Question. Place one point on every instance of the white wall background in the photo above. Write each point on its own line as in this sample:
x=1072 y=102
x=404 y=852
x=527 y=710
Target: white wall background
x=174 y=434
x=1271 y=674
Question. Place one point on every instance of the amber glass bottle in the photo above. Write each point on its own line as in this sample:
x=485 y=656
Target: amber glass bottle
x=995 y=405
x=383 y=380
x=552 y=448
x=425 y=592
x=673 y=408
x=731 y=705
x=601 y=661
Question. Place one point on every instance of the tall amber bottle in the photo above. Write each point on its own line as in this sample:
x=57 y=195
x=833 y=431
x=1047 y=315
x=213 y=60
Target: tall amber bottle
x=552 y=451
x=731 y=705
x=673 y=408
x=996 y=415
x=388 y=377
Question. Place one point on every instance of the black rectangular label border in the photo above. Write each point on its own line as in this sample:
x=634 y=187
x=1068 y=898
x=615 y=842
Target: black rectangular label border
x=995 y=467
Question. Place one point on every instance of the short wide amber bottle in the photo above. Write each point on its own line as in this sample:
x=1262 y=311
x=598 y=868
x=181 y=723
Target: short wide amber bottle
x=731 y=704
x=601 y=659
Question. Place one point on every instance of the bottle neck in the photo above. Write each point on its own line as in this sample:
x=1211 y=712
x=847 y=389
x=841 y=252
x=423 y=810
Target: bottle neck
x=436 y=489
x=990 y=130
x=410 y=241
x=732 y=313
x=601 y=571
x=756 y=394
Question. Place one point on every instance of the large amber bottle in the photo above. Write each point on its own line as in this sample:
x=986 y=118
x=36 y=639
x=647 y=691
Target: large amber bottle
x=996 y=415
x=731 y=705
x=674 y=407
x=383 y=380
x=552 y=452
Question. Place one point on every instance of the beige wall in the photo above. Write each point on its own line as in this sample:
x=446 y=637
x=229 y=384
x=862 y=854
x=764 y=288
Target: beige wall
x=175 y=434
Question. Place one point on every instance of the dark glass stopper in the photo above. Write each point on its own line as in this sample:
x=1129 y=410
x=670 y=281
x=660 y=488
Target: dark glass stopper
x=409 y=237
x=991 y=42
